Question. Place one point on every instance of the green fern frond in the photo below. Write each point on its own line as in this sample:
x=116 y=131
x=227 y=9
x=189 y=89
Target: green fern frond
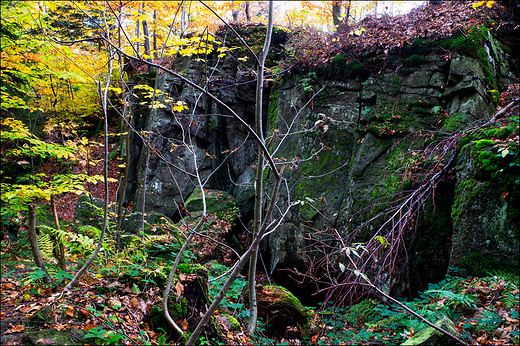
x=154 y=239
x=58 y=234
x=363 y=311
x=510 y=296
x=45 y=245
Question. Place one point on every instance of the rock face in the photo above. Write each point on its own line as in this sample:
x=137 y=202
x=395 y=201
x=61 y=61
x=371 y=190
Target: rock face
x=356 y=136
x=483 y=220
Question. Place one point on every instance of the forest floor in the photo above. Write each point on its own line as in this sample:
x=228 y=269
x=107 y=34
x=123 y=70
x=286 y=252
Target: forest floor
x=116 y=311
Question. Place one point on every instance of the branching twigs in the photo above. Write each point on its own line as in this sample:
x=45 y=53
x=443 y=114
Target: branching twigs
x=387 y=248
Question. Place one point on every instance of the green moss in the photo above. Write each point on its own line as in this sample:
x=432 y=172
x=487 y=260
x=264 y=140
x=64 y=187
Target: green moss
x=354 y=67
x=422 y=112
x=454 y=122
x=468 y=44
x=484 y=62
x=145 y=78
x=184 y=268
x=462 y=197
x=340 y=59
x=499 y=169
x=396 y=81
x=415 y=60
x=419 y=104
x=273 y=108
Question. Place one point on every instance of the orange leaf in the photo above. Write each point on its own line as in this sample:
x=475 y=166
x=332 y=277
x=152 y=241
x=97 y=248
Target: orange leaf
x=182 y=277
x=179 y=288
x=16 y=329
x=504 y=194
x=134 y=303
x=89 y=327
x=184 y=324
x=70 y=311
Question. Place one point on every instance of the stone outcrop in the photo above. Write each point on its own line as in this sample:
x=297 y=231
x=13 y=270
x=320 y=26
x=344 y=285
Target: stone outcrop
x=356 y=133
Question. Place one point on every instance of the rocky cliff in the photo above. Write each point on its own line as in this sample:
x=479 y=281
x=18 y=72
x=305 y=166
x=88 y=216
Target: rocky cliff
x=356 y=135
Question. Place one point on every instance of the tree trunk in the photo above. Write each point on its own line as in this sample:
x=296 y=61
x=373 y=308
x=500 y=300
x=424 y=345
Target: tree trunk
x=137 y=34
x=259 y=188
x=183 y=19
x=124 y=180
x=31 y=232
x=155 y=53
x=248 y=14
x=146 y=34
x=336 y=13
x=347 y=12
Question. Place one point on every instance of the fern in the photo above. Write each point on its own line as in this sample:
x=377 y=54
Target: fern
x=364 y=311
x=510 y=296
x=45 y=245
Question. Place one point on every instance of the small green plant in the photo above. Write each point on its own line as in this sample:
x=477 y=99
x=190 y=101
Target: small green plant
x=362 y=312
x=308 y=84
x=484 y=321
x=101 y=336
x=510 y=295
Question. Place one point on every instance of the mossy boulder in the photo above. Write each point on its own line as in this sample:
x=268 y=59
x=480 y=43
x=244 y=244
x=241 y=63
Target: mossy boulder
x=228 y=323
x=432 y=337
x=218 y=202
x=89 y=211
x=281 y=309
x=484 y=205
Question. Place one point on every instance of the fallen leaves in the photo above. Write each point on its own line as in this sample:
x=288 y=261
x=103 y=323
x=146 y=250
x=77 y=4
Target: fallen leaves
x=387 y=34
x=15 y=329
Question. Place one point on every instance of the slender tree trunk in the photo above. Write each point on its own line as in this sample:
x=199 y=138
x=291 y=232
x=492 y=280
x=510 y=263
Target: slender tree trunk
x=137 y=33
x=147 y=48
x=336 y=13
x=31 y=232
x=155 y=53
x=126 y=120
x=183 y=19
x=248 y=14
x=259 y=190
x=347 y=11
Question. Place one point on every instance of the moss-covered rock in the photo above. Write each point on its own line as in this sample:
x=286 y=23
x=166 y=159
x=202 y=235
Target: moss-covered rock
x=219 y=203
x=485 y=193
x=432 y=337
x=281 y=309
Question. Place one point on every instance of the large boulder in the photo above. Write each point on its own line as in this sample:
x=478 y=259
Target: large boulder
x=280 y=309
x=483 y=212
